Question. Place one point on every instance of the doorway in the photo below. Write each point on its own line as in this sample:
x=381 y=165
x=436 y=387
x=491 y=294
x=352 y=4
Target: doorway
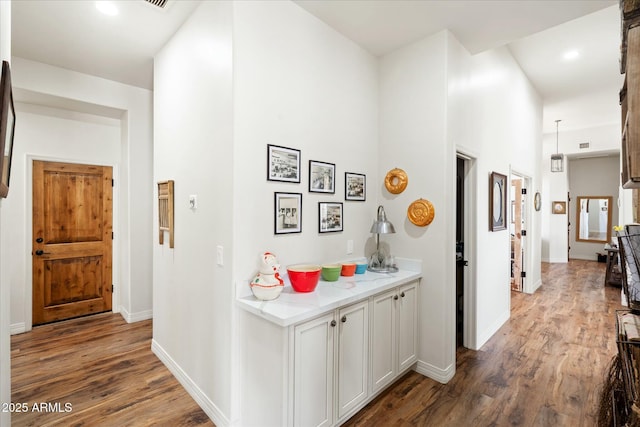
x=72 y=240
x=520 y=220
x=461 y=260
x=518 y=232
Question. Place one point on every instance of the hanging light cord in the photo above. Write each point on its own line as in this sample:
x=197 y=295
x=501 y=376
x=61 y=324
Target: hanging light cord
x=557 y=121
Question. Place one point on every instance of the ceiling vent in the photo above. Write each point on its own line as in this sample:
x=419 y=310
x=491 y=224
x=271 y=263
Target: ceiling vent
x=584 y=145
x=159 y=3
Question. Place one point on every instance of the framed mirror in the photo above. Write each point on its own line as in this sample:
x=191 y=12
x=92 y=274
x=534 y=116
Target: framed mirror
x=593 y=219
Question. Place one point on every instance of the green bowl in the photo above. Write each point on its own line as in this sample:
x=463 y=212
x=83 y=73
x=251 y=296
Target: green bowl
x=331 y=272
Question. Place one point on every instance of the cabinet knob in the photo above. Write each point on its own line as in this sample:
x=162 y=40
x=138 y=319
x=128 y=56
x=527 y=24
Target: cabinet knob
x=344 y=319
x=402 y=294
x=395 y=297
x=333 y=323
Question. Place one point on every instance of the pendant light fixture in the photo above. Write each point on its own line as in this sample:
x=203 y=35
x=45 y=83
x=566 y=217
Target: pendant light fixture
x=557 y=160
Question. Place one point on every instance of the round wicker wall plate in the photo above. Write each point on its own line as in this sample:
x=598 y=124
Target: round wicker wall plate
x=421 y=212
x=396 y=181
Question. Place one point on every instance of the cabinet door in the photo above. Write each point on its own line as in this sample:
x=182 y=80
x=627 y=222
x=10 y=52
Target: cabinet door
x=353 y=354
x=407 y=307
x=313 y=372
x=383 y=339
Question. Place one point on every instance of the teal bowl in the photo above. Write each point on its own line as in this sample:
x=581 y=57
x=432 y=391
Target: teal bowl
x=331 y=272
x=361 y=267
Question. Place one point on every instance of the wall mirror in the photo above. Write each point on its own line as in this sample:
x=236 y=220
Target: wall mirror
x=593 y=218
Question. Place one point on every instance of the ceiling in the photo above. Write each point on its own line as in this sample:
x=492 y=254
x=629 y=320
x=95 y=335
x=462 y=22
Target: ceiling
x=72 y=34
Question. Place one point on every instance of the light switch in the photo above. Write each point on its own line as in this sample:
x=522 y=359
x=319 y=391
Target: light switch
x=220 y=255
x=193 y=201
x=349 y=247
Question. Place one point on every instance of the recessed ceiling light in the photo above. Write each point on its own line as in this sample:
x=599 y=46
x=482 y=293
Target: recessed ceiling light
x=571 y=55
x=107 y=7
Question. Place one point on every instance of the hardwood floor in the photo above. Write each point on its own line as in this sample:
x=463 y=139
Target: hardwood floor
x=96 y=371
x=544 y=367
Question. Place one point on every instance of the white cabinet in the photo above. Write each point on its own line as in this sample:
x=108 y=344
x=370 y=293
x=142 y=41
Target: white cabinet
x=313 y=372
x=383 y=335
x=394 y=334
x=316 y=367
x=407 y=311
x=353 y=354
x=337 y=342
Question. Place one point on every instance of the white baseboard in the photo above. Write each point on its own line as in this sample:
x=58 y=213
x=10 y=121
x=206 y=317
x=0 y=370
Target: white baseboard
x=489 y=332
x=18 y=328
x=585 y=257
x=555 y=260
x=135 y=317
x=441 y=375
x=532 y=289
x=190 y=386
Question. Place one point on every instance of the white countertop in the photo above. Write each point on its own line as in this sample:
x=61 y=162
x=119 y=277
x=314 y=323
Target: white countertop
x=292 y=307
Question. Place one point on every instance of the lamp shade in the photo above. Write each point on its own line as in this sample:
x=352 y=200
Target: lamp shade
x=557 y=161
x=381 y=225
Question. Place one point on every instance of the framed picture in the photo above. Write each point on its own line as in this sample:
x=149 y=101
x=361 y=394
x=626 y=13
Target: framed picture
x=322 y=177
x=559 y=207
x=287 y=213
x=329 y=217
x=355 y=186
x=497 y=202
x=7 y=128
x=283 y=164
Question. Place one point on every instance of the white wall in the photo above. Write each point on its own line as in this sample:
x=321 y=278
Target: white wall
x=484 y=106
x=193 y=137
x=295 y=83
x=5 y=290
x=504 y=122
x=556 y=185
x=47 y=85
x=300 y=84
x=413 y=137
x=46 y=134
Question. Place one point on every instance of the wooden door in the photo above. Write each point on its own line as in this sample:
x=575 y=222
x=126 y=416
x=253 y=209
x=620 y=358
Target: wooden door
x=72 y=240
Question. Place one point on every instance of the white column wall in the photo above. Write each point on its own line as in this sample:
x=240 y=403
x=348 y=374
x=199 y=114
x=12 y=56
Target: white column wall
x=299 y=84
x=413 y=137
x=5 y=290
x=193 y=138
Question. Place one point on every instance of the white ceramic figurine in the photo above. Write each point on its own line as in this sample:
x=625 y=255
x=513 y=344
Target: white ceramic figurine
x=267 y=284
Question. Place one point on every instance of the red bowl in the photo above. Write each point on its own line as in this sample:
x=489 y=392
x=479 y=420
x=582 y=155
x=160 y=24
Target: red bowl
x=348 y=269
x=304 y=278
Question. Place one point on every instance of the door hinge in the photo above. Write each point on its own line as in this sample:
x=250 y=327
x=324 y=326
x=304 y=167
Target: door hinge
x=524 y=191
x=112 y=182
x=523 y=232
x=112 y=235
x=523 y=274
x=111 y=288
